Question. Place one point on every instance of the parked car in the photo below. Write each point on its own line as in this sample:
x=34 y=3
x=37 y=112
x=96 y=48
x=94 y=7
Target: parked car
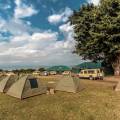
x=45 y=73
x=36 y=73
x=92 y=74
x=66 y=73
x=53 y=72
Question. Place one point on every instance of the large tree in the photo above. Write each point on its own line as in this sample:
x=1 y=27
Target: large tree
x=97 y=32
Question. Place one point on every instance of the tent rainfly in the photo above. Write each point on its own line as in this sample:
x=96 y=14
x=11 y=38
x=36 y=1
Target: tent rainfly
x=6 y=82
x=68 y=84
x=117 y=88
x=27 y=86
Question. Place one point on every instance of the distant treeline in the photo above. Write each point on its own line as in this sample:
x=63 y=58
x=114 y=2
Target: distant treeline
x=23 y=70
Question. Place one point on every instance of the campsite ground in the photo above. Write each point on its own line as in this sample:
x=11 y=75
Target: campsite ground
x=98 y=101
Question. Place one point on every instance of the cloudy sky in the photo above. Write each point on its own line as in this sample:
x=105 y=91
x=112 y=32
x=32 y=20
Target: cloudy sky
x=37 y=32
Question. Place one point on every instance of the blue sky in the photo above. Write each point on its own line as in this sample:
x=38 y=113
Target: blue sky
x=36 y=33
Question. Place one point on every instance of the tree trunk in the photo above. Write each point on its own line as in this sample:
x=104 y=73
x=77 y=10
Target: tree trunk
x=116 y=66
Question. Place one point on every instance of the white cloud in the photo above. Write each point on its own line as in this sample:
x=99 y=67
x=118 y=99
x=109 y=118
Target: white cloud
x=32 y=46
x=44 y=36
x=18 y=2
x=2 y=23
x=68 y=43
x=39 y=48
x=25 y=44
x=22 y=10
x=56 y=18
x=95 y=2
x=60 y=17
x=66 y=28
x=15 y=25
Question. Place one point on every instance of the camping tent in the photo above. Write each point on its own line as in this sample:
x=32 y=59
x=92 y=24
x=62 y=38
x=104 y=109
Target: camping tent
x=2 y=77
x=6 y=82
x=117 y=88
x=27 y=86
x=68 y=84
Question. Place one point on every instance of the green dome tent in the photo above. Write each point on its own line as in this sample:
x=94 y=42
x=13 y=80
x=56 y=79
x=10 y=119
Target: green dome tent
x=27 y=86
x=69 y=84
x=6 y=82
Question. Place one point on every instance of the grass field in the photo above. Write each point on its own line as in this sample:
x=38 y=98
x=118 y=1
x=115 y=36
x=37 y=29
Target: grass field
x=97 y=101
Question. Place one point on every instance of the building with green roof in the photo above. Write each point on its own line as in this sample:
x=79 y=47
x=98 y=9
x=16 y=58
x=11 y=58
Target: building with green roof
x=87 y=65
x=60 y=68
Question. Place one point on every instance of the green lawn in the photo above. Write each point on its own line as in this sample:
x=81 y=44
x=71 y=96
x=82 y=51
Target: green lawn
x=97 y=101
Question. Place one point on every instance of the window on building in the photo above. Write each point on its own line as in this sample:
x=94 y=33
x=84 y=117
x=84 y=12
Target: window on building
x=85 y=72
x=81 y=72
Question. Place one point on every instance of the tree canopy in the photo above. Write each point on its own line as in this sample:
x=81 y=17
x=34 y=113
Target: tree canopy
x=41 y=69
x=24 y=71
x=97 y=32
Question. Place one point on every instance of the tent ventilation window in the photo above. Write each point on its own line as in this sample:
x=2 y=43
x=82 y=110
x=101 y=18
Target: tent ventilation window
x=33 y=83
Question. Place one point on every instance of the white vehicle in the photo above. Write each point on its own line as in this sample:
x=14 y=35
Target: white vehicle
x=53 y=72
x=36 y=73
x=45 y=73
x=91 y=74
x=66 y=73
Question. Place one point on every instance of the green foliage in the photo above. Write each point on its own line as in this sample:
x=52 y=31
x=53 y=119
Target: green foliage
x=97 y=31
x=1 y=70
x=60 y=68
x=24 y=71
